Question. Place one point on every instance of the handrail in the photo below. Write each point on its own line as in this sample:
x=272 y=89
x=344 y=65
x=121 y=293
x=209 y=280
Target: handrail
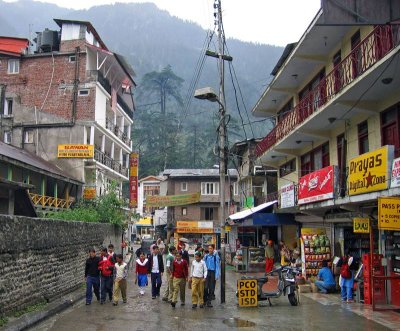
x=103 y=158
x=365 y=55
x=46 y=201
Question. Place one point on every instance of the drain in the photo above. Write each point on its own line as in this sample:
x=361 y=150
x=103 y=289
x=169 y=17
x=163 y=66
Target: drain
x=238 y=323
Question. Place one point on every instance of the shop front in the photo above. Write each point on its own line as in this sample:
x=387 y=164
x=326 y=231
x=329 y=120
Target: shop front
x=145 y=228
x=196 y=232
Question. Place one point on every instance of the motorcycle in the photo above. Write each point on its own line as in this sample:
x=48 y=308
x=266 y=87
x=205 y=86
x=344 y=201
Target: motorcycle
x=286 y=285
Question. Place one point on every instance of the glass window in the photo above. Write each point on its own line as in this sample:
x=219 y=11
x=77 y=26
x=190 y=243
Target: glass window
x=184 y=211
x=184 y=186
x=209 y=188
x=13 y=66
x=287 y=168
x=363 y=144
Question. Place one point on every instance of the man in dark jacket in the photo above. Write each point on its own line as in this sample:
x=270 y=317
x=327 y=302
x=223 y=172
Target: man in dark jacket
x=92 y=276
x=156 y=270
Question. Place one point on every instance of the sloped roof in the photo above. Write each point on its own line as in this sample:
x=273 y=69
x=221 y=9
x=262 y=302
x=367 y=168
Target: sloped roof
x=248 y=212
x=32 y=160
x=13 y=46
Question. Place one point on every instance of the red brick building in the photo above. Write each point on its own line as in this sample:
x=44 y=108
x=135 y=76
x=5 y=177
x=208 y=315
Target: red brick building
x=71 y=90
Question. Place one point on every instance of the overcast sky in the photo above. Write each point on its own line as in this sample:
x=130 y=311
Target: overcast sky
x=276 y=22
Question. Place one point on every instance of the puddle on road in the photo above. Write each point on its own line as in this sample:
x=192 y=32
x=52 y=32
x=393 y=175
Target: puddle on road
x=238 y=323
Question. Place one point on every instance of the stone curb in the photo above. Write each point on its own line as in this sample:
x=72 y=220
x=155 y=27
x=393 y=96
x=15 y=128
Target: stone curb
x=30 y=319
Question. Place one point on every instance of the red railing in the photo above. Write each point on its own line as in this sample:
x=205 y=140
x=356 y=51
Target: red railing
x=368 y=52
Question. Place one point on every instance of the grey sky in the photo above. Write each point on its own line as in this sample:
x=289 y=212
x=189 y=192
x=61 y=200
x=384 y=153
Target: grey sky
x=276 y=22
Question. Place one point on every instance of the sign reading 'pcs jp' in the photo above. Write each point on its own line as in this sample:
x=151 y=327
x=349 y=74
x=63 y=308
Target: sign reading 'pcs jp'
x=247 y=292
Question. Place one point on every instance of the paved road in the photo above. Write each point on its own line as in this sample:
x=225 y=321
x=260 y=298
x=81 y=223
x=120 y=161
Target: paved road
x=143 y=313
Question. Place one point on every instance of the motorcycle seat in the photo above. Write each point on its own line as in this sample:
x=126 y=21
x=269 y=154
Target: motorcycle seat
x=262 y=279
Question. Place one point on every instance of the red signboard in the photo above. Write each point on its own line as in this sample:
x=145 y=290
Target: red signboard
x=133 y=179
x=317 y=186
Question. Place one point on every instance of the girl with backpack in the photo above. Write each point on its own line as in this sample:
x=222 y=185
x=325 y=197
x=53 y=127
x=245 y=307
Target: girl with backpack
x=346 y=280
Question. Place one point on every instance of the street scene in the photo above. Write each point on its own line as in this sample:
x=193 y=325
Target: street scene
x=201 y=164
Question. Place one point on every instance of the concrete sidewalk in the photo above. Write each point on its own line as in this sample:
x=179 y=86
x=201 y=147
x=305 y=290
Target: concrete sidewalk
x=143 y=313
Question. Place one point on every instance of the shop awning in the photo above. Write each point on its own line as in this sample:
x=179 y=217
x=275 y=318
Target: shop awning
x=249 y=212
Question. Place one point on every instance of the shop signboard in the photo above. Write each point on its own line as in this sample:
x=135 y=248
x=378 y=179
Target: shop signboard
x=395 y=181
x=369 y=172
x=89 y=193
x=287 y=196
x=172 y=200
x=247 y=292
x=133 y=179
x=361 y=225
x=194 y=227
x=317 y=186
x=75 y=151
x=389 y=213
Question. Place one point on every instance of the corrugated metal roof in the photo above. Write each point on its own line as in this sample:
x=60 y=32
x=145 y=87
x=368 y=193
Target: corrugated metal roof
x=33 y=160
x=13 y=46
x=196 y=172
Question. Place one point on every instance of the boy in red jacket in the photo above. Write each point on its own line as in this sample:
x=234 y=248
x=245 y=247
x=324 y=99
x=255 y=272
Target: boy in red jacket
x=180 y=277
x=106 y=267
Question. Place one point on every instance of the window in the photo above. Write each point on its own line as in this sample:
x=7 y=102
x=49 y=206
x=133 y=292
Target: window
x=390 y=128
x=83 y=93
x=72 y=58
x=209 y=188
x=287 y=168
x=235 y=188
x=285 y=109
x=8 y=107
x=184 y=211
x=317 y=159
x=363 y=145
x=13 y=66
x=7 y=137
x=184 y=186
x=312 y=84
x=28 y=139
x=209 y=213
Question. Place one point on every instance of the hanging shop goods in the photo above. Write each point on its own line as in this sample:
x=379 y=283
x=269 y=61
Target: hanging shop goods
x=315 y=247
x=287 y=196
x=389 y=213
x=318 y=185
x=369 y=172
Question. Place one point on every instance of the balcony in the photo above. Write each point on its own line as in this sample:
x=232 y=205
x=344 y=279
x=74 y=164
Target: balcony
x=49 y=202
x=365 y=55
x=110 y=163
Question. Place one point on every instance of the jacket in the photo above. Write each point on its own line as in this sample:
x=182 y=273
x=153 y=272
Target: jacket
x=180 y=269
x=213 y=263
x=160 y=263
x=106 y=266
x=92 y=267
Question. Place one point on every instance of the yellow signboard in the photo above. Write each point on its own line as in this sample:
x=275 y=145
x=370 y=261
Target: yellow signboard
x=369 y=172
x=75 y=151
x=361 y=225
x=247 y=292
x=89 y=193
x=172 y=200
x=389 y=213
x=312 y=231
x=194 y=227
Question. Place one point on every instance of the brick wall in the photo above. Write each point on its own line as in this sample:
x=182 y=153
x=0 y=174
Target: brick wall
x=43 y=259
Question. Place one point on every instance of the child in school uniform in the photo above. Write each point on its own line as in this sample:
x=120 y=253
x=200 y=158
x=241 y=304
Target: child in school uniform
x=141 y=273
x=121 y=272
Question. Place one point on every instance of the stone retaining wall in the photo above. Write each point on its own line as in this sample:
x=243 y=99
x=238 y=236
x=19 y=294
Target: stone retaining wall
x=41 y=259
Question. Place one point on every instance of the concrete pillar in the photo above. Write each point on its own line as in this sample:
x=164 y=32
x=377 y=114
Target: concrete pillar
x=120 y=157
x=127 y=161
x=103 y=143
x=129 y=131
x=122 y=123
x=9 y=172
x=91 y=135
x=43 y=186
x=84 y=135
x=112 y=150
x=11 y=200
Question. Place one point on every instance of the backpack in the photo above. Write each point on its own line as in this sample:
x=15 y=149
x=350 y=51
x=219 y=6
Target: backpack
x=345 y=270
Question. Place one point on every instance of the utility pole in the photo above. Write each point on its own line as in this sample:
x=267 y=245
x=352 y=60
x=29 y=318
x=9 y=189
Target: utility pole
x=222 y=136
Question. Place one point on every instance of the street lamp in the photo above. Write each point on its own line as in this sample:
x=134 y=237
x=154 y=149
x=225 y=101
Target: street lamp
x=208 y=93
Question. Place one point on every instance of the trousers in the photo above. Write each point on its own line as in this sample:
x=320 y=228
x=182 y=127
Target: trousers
x=209 y=286
x=106 y=287
x=169 y=291
x=119 y=286
x=197 y=290
x=179 y=285
x=92 y=285
x=155 y=284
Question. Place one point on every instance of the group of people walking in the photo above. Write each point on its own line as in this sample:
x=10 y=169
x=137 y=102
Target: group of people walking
x=200 y=275
x=106 y=275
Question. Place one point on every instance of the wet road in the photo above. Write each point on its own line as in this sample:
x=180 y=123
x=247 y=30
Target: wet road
x=143 y=313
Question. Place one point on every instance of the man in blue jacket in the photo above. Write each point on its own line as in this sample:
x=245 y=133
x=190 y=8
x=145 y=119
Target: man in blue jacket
x=326 y=281
x=213 y=264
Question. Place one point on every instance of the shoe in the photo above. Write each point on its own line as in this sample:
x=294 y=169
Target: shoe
x=102 y=302
x=194 y=306
x=110 y=299
x=87 y=303
x=209 y=305
x=182 y=303
x=173 y=304
x=115 y=303
x=124 y=301
x=350 y=301
x=323 y=292
x=153 y=298
x=165 y=299
x=201 y=306
x=141 y=294
x=213 y=297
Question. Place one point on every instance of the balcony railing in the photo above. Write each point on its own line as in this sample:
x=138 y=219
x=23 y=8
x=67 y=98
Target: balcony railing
x=110 y=163
x=115 y=129
x=49 y=202
x=366 y=54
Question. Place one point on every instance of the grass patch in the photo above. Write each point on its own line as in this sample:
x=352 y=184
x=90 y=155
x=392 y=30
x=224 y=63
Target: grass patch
x=3 y=321
x=30 y=309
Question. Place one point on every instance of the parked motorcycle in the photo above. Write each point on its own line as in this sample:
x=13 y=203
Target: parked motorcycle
x=286 y=285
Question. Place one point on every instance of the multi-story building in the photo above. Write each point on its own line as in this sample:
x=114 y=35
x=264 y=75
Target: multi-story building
x=335 y=95
x=69 y=102
x=149 y=185
x=199 y=222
